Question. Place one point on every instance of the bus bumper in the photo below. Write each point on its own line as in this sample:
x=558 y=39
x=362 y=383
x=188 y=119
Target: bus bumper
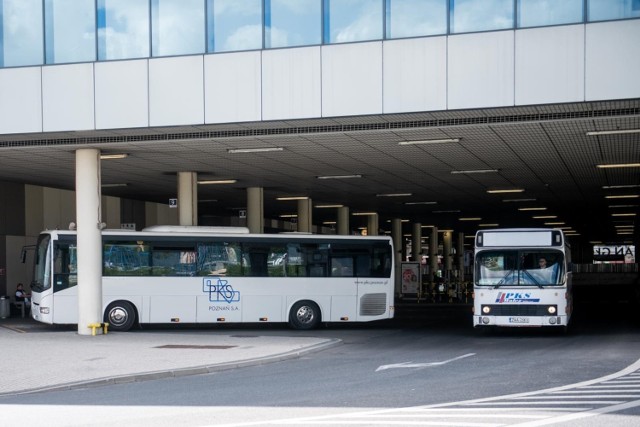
x=520 y=321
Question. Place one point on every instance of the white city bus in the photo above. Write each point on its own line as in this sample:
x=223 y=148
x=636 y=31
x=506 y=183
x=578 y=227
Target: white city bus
x=191 y=275
x=522 y=277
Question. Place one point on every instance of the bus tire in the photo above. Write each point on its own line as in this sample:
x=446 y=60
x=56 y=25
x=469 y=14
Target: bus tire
x=120 y=315
x=304 y=315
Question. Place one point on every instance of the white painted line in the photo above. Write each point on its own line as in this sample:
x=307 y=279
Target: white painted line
x=586 y=396
x=580 y=415
x=398 y=423
x=421 y=365
x=559 y=402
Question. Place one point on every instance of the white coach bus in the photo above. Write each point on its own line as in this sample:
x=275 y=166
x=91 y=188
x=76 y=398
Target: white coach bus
x=201 y=275
x=522 y=277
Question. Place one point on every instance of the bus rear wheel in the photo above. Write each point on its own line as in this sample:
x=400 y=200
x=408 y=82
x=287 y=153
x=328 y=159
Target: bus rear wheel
x=120 y=315
x=304 y=315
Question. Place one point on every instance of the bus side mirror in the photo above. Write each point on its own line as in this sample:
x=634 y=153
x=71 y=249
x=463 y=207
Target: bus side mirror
x=23 y=252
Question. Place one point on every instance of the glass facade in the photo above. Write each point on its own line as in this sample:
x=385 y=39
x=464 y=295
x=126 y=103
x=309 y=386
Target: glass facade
x=353 y=20
x=415 y=18
x=36 y=32
x=480 y=15
x=21 y=33
x=604 y=10
x=292 y=23
x=537 y=13
x=123 y=29
x=70 y=31
x=177 y=27
x=234 y=25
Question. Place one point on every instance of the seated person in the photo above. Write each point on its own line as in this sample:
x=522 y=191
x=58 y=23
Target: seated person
x=22 y=296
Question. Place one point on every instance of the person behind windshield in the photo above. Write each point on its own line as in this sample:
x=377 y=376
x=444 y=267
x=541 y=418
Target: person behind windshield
x=542 y=262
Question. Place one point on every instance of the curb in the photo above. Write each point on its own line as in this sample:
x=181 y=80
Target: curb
x=178 y=373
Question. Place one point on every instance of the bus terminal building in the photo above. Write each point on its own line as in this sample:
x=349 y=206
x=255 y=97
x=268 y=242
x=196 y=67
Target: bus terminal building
x=428 y=120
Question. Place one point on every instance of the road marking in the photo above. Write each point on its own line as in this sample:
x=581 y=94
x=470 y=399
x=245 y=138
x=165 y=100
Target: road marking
x=421 y=365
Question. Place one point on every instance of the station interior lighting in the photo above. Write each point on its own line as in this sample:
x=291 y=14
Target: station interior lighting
x=618 y=165
x=254 y=150
x=292 y=198
x=612 y=132
x=468 y=172
x=532 y=209
x=506 y=190
x=113 y=156
x=339 y=176
x=430 y=141
x=394 y=195
x=217 y=181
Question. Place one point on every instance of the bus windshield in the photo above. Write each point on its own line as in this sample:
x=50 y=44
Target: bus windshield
x=42 y=267
x=509 y=267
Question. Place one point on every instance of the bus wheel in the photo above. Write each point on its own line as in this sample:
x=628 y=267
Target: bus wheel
x=304 y=315
x=120 y=316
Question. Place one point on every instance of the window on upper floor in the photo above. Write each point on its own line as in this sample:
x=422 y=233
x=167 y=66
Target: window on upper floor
x=480 y=15
x=414 y=18
x=292 y=23
x=234 y=25
x=70 y=31
x=21 y=38
x=537 y=13
x=352 y=20
x=604 y=10
x=123 y=29
x=178 y=27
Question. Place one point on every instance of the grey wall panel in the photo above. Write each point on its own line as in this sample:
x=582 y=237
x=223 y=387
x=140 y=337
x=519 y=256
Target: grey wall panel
x=549 y=65
x=67 y=97
x=233 y=87
x=415 y=75
x=613 y=60
x=352 y=79
x=481 y=70
x=175 y=91
x=291 y=83
x=20 y=100
x=122 y=95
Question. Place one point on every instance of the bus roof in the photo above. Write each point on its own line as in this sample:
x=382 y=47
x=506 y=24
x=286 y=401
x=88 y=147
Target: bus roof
x=218 y=232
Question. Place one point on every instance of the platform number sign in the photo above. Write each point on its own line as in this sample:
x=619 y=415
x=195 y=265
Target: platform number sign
x=173 y=203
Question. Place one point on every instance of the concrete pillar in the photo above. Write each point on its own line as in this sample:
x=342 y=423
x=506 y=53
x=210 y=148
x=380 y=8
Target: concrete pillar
x=460 y=256
x=433 y=252
x=446 y=251
x=89 y=224
x=344 y=227
x=416 y=242
x=305 y=222
x=255 y=209
x=372 y=225
x=396 y=236
x=188 y=198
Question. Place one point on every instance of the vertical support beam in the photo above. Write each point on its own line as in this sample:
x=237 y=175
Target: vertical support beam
x=460 y=256
x=89 y=224
x=446 y=251
x=373 y=225
x=433 y=253
x=396 y=236
x=305 y=223
x=344 y=227
x=416 y=242
x=188 y=198
x=255 y=209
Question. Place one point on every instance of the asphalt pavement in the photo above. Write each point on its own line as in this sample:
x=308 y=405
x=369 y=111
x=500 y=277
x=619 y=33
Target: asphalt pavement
x=38 y=357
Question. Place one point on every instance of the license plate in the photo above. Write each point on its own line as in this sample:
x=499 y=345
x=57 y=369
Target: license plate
x=518 y=320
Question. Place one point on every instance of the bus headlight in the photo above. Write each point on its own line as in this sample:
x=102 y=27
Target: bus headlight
x=551 y=309
x=486 y=309
x=44 y=310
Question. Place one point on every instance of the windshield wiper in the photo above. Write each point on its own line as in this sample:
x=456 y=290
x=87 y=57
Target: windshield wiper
x=533 y=279
x=501 y=282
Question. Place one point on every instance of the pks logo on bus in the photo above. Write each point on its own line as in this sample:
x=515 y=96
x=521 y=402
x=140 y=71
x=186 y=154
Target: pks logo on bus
x=515 y=297
x=220 y=291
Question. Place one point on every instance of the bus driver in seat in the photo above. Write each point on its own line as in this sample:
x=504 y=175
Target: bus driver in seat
x=542 y=262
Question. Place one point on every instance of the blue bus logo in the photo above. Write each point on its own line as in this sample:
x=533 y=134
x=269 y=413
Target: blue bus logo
x=220 y=291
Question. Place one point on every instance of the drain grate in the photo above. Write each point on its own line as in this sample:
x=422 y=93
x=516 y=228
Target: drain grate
x=197 y=347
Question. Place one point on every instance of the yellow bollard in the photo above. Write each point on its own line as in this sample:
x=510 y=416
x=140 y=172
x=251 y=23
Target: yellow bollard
x=105 y=328
x=93 y=327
